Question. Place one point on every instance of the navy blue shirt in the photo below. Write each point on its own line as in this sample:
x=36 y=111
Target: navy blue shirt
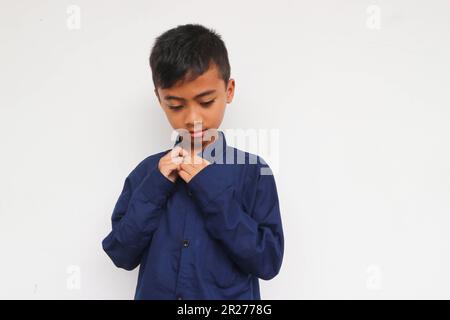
x=211 y=238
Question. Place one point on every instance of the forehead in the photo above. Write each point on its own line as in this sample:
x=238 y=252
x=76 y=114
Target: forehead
x=209 y=80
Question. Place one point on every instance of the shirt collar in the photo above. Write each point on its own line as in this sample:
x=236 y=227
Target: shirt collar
x=213 y=151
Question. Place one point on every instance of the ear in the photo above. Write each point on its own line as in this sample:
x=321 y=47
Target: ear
x=230 y=90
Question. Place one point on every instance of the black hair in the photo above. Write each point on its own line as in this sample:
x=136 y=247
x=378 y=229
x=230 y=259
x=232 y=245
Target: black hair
x=189 y=48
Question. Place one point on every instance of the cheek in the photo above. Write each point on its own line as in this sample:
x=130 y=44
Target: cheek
x=175 y=119
x=219 y=112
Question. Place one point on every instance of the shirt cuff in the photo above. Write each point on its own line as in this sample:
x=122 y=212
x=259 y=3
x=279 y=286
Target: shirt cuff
x=156 y=187
x=209 y=183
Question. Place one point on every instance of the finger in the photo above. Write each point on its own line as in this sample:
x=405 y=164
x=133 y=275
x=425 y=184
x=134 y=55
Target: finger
x=199 y=160
x=189 y=168
x=172 y=165
x=173 y=155
x=187 y=159
x=180 y=151
x=176 y=160
x=176 y=152
x=184 y=175
x=171 y=161
x=184 y=152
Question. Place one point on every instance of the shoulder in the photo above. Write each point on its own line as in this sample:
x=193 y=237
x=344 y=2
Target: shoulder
x=253 y=165
x=254 y=178
x=250 y=169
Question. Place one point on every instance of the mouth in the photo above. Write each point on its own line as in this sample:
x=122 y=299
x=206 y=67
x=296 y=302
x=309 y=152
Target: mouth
x=197 y=134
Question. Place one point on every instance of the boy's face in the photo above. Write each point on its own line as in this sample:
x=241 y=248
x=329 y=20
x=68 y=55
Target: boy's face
x=197 y=105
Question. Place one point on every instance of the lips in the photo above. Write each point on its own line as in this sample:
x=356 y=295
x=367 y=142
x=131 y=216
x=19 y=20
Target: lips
x=195 y=134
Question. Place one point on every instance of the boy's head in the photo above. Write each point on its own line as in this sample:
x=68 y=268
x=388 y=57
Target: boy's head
x=191 y=75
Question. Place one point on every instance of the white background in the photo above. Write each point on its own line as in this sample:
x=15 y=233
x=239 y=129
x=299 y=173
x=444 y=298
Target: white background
x=360 y=96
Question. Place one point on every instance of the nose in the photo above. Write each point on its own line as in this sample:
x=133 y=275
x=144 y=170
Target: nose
x=194 y=120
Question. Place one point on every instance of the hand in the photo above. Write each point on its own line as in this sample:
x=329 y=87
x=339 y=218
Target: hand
x=169 y=164
x=191 y=166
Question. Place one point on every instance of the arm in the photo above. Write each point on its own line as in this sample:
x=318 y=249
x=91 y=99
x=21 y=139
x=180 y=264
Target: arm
x=135 y=218
x=253 y=240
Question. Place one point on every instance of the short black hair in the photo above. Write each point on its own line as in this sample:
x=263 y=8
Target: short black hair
x=189 y=48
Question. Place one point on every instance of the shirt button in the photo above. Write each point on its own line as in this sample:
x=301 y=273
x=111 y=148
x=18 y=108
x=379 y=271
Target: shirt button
x=189 y=193
x=185 y=243
x=180 y=298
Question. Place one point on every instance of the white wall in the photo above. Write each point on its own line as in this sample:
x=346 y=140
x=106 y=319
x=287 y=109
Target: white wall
x=361 y=104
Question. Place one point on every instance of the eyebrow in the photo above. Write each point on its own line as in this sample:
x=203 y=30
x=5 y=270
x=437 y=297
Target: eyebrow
x=205 y=93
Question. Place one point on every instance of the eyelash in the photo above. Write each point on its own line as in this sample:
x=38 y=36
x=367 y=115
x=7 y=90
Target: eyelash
x=205 y=104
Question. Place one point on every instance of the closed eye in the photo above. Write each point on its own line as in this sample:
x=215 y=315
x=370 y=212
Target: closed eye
x=205 y=104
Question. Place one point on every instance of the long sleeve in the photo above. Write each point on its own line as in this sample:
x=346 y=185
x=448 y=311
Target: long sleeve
x=254 y=240
x=135 y=217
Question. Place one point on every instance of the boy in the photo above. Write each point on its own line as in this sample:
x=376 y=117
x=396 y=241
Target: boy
x=199 y=224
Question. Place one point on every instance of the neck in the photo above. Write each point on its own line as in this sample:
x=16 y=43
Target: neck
x=197 y=149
